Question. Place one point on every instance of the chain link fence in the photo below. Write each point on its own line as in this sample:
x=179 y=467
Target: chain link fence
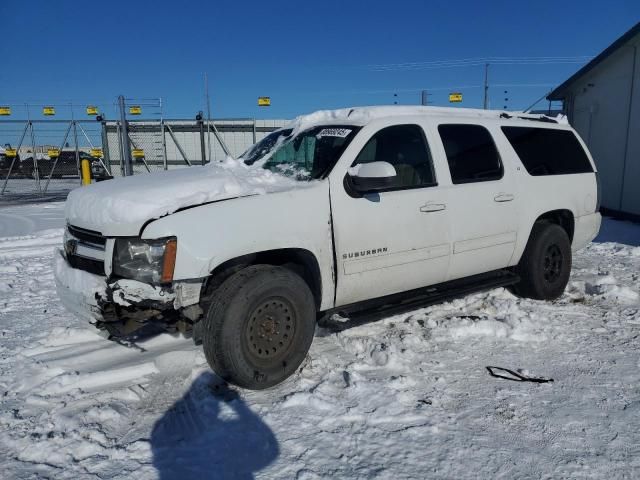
x=169 y=144
x=41 y=159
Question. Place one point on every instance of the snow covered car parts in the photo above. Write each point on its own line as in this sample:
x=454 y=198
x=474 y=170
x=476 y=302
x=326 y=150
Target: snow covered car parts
x=356 y=211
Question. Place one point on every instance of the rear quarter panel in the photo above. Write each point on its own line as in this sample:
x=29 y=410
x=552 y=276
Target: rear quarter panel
x=541 y=194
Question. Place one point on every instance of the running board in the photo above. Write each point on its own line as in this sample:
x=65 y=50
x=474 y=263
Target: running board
x=379 y=308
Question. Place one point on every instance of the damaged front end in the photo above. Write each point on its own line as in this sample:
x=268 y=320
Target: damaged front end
x=124 y=308
x=129 y=306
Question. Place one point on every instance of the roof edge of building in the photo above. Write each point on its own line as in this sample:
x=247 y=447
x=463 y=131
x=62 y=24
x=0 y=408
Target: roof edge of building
x=559 y=92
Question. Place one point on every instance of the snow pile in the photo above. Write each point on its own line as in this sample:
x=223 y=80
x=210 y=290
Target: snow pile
x=144 y=197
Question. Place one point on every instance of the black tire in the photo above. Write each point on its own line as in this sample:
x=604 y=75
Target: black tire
x=259 y=326
x=545 y=265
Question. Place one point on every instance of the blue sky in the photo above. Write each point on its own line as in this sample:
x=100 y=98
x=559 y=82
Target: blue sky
x=304 y=55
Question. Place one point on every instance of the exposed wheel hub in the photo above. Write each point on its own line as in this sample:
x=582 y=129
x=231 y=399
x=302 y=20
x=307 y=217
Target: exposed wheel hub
x=270 y=328
x=552 y=263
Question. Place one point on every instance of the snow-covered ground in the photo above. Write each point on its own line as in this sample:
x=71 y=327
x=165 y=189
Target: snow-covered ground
x=407 y=397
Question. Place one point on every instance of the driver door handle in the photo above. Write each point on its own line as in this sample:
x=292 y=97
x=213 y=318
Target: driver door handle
x=504 y=197
x=432 y=207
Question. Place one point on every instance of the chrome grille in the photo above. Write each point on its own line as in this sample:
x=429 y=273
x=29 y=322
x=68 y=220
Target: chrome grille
x=85 y=249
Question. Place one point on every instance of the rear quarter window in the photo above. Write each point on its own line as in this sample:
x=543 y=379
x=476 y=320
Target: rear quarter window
x=546 y=151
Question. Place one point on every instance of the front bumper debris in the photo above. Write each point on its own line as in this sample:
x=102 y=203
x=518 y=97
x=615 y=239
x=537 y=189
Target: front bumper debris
x=123 y=307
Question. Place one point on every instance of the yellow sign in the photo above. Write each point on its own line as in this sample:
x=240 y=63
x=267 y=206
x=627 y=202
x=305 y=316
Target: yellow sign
x=138 y=153
x=53 y=152
x=91 y=110
x=455 y=97
x=5 y=110
x=48 y=111
x=135 y=110
x=264 y=101
x=96 y=152
x=11 y=152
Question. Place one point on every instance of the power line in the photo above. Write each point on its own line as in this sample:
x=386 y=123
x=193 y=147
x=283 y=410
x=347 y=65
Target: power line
x=470 y=62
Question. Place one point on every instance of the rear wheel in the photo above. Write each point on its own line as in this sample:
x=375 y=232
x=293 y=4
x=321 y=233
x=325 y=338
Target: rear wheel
x=259 y=326
x=545 y=265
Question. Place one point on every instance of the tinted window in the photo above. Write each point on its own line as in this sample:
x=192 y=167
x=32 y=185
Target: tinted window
x=471 y=153
x=546 y=151
x=404 y=147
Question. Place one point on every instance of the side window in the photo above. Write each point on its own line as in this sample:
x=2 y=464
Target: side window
x=471 y=153
x=404 y=147
x=546 y=151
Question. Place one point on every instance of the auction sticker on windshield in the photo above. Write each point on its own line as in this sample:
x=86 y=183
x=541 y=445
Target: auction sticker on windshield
x=334 y=132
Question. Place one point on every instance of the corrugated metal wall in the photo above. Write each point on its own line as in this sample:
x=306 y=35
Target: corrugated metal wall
x=605 y=110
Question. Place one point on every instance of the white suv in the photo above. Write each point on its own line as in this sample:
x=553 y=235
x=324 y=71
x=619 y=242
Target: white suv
x=361 y=211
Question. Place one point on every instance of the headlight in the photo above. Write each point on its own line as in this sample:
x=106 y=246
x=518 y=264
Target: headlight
x=149 y=261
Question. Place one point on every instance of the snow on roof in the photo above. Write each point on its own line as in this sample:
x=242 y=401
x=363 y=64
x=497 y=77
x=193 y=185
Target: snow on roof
x=364 y=115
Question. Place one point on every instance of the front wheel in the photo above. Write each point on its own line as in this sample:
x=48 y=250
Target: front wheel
x=545 y=265
x=259 y=326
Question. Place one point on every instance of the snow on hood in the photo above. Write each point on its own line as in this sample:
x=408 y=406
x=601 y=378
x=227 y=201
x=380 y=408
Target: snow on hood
x=131 y=201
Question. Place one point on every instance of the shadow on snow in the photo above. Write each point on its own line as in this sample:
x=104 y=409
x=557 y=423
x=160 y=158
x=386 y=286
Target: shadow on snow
x=211 y=433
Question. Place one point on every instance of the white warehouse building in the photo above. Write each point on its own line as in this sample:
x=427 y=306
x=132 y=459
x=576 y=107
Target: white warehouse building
x=602 y=101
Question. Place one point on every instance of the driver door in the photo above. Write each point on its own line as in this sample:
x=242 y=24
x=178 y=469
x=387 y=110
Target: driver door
x=395 y=239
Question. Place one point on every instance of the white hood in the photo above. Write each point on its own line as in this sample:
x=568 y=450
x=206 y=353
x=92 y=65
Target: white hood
x=120 y=207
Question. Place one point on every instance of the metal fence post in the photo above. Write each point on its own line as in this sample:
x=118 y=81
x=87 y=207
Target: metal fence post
x=36 y=173
x=175 y=140
x=164 y=146
x=119 y=136
x=105 y=147
x=75 y=142
x=124 y=139
x=219 y=138
x=203 y=152
x=254 y=130
x=55 y=162
x=6 y=180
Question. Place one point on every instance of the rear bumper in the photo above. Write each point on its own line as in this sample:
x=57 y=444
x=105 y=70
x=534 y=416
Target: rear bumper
x=586 y=228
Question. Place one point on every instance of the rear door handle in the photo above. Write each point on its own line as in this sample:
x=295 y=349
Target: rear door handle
x=432 y=207
x=504 y=197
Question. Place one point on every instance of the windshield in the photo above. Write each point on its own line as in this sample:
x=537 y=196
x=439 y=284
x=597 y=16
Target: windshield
x=309 y=155
x=264 y=146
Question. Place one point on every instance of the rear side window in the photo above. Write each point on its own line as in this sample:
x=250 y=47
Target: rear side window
x=471 y=153
x=546 y=151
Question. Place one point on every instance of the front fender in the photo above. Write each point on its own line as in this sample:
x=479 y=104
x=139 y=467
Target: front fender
x=209 y=235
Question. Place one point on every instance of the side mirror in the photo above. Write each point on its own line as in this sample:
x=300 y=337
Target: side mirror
x=368 y=177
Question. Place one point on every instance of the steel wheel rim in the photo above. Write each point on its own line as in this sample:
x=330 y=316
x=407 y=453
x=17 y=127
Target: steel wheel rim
x=553 y=262
x=270 y=329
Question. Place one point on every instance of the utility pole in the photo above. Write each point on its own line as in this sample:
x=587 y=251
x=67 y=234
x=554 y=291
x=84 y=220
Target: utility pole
x=486 y=85
x=124 y=139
